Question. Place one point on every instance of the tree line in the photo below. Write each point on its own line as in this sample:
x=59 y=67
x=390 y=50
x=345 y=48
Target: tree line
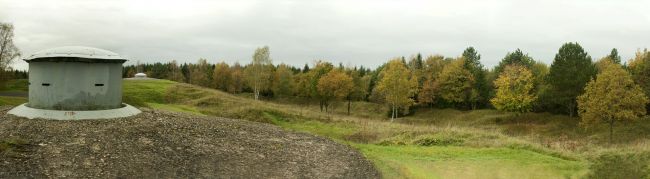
x=598 y=91
x=574 y=84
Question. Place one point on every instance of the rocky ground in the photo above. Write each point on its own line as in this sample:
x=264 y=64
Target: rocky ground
x=158 y=144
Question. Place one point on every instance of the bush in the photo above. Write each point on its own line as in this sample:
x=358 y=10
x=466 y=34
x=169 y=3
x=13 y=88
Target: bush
x=613 y=165
x=440 y=139
x=438 y=142
x=363 y=136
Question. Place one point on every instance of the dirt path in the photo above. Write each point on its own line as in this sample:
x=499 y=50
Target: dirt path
x=158 y=144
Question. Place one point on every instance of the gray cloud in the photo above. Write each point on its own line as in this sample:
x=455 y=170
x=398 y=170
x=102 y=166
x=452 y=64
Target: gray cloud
x=351 y=32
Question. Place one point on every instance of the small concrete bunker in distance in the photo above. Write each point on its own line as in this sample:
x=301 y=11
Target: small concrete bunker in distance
x=75 y=82
x=140 y=75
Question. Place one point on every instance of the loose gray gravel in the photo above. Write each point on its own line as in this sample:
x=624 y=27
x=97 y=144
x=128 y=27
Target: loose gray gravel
x=158 y=144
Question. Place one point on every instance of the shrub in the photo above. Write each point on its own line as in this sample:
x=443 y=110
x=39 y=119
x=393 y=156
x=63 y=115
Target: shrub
x=614 y=165
x=438 y=142
x=363 y=136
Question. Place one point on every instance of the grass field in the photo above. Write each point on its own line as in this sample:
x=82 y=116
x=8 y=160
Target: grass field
x=431 y=143
x=14 y=85
x=412 y=148
x=12 y=101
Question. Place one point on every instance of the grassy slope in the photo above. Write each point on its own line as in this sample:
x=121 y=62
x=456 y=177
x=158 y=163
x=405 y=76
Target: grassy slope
x=397 y=149
x=429 y=144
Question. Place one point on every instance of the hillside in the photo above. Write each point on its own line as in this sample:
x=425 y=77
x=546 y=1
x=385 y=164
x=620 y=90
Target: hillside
x=431 y=143
x=408 y=149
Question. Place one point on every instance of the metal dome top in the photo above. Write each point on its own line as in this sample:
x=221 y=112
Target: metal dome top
x=76 y=54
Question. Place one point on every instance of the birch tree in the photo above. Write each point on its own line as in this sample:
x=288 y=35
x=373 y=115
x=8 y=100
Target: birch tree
x=258 y=72
x=8 y=51
x=397 y=86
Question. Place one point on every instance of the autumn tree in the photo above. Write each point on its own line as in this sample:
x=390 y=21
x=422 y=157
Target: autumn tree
x=601 y=63
x=199 y=73
x=8 y=51
x=174 y=71
x=640 y=69
x=334 y=85
x=222 y=76
x=432 y=67
x=540 y=72
x=416 y=65
x=258 y=72
x=283 y=81
x=455 y=83
x=360 y=87
x=236 y=79
x=514 y=90
x=129 y=73
x=397 y=86
x=301 y=84
x=612 y=96
x=321 y=68
x=572 y=68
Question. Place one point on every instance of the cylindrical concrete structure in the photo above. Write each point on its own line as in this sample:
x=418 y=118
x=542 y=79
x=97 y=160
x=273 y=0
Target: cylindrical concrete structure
x=140 y=75
x=75 y=78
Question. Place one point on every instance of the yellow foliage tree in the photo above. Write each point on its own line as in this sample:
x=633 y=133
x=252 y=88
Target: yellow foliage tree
x=283 y=81
x=237 y=79
x=221 y=76
x=455 y=83
x=514 y=89
x=640 y=69
x=175 y=73
x=336 y=84
x=397 y=86
x=199 y=73
x=258 y=73
x=612 y=96
x=431 y=70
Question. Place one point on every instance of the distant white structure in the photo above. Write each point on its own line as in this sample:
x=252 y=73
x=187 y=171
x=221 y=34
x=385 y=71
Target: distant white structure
x=75 y=82
x=140 y=75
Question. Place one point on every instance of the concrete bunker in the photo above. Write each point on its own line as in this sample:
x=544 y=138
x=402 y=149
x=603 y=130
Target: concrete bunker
x=76 y=81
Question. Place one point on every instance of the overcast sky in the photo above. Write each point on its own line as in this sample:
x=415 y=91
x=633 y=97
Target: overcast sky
x=351 y=32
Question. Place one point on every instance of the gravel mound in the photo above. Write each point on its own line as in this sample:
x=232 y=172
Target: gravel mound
x=158 y=144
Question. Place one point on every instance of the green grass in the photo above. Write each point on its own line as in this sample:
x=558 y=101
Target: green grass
x=430 y=144
x=467 y=162
x=12 y=101
x=141 y=92
x=15 y=85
